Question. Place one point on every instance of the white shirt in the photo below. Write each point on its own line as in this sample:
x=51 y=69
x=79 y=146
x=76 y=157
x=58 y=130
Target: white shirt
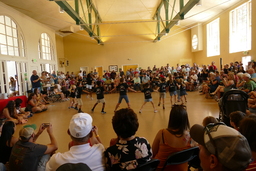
x=92 y=156
x=194 y=77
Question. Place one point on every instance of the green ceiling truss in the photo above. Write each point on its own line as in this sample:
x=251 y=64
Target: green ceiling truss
x=86 y=25
x=169 y=23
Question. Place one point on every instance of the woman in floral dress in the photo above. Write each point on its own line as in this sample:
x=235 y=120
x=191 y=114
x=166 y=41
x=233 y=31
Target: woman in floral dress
x=129 y=150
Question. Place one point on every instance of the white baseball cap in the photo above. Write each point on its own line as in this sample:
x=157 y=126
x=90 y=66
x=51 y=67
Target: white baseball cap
x=80 y=125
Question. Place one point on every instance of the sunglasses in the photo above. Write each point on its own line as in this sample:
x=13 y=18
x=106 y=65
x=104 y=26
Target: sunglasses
x=208 y=130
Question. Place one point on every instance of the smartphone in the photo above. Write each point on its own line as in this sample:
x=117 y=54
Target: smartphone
x=45 y=125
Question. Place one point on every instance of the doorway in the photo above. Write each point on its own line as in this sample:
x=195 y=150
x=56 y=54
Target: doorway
x=99 y=71
x=84 y=68
x=128 y=67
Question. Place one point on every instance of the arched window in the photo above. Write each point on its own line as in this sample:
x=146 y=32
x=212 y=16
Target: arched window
x=45 y=47
x=11 y=41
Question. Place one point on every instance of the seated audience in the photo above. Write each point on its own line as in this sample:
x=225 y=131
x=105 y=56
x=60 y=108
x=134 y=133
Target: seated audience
x=130 y=150
x=173 y=139
x=19 y=110
x=33 y=105
x=209 y=119
x=80 y=131
x=249 y=84
x=10 y=114
x=235 y=118
x=26 y=155
x=58 y=91
x=222 y=148
x=251 y=103
x=43 y=99
x=248 y=129
x=7 y=141
x=228 y=82
x=240 y=81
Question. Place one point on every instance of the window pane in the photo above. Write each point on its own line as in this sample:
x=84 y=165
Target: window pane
x=16 y=52
x=10 y=51
x=1 y=19
x=23 y=52
x=2 y=39
x=2 y=29
x=9 y=41
x=7 y=21
x=14 y=32
x=240 y=28
x=15 y=42
x=14 y=25
x=9 y=31
x=3 y=49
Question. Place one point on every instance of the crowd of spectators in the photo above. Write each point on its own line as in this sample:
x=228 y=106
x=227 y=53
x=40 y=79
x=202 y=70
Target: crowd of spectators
x=221 y=147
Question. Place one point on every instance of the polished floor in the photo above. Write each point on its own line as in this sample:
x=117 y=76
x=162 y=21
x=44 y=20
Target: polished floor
x=59 y=115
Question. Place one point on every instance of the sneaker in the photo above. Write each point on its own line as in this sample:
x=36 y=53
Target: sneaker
x=76 y=108
x=103 y=112
x=155 y=111
x=72 y=107
x=80 y=111
x=140 y=111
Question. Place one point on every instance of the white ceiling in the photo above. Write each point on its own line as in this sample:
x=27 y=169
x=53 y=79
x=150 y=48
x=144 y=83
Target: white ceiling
x=47 y=12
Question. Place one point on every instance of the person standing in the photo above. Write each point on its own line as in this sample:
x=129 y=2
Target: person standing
x=123 y=93
x=99 y=89
x=35 y=81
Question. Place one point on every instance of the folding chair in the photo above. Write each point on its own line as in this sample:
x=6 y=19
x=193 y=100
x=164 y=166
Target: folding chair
x=74 y=167
x=183 y=157
x=148 y=166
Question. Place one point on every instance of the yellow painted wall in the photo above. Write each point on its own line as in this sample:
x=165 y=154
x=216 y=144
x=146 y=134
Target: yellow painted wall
x=60 y=52
x=200 y=57
x=139 y=49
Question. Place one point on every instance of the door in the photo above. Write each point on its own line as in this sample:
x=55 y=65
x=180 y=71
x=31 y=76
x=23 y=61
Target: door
x=22 y=77
x=84 y=68
x=128 y=67
x=4 y=81
x=99 y=70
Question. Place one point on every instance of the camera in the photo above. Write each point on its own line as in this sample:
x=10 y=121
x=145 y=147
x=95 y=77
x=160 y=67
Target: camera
x=45 y=125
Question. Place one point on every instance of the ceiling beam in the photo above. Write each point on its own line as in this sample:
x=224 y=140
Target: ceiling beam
x=180 y=15
x=79 y=21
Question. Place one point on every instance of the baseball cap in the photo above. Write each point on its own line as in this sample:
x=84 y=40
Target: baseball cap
x=27 y=131
x=227 y=144
x=80 y=125
x=73 y=167
x=247 y=75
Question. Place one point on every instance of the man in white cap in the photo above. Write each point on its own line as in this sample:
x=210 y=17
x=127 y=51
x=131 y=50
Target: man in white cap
x=222 y=148
x=26 y=155
x=249 y=84
x=81 y=132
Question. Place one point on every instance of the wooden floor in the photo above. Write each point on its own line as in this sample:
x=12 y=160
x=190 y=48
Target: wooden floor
x=59 y=115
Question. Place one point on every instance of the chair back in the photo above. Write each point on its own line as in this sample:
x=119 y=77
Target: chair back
x=74 y=167
x=148 y=166
x=181 y=156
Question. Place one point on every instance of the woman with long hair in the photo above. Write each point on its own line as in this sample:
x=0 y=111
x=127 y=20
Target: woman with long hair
x=172 y=139
x=10 y=113
x=7 y=141
x=12 y=84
